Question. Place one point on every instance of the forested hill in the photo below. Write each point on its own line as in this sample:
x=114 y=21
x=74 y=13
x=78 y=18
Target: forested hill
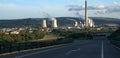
x=62 y=21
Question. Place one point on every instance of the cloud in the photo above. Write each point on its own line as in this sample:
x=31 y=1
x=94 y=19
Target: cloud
x=110 y=9
x=114 y=8
x=79 y=8
x=100 y=12
x=101 y=9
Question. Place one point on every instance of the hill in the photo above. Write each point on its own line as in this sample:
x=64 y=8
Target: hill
x=62 y=21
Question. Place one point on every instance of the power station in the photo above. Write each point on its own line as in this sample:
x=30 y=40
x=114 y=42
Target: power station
x=54 y=23
x=86 y=23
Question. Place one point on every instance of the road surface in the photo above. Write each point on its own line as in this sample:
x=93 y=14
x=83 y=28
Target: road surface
x=98 y=48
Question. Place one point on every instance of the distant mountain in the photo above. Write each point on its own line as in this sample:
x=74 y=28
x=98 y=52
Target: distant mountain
x=62 y=21
x=104 y=20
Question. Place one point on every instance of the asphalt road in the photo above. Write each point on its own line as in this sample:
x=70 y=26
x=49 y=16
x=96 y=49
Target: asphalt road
x=98 y=48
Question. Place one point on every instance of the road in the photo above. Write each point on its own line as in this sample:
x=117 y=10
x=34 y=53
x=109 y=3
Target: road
x=98 y=48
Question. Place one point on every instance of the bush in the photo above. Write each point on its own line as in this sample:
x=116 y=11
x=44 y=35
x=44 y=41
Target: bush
x=12 y=38
x=4 y=48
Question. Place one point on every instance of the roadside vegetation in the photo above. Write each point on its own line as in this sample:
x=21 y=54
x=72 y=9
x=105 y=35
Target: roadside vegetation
x=26 y=40
x=115 y=38
x=74 y=34
x=24 y=36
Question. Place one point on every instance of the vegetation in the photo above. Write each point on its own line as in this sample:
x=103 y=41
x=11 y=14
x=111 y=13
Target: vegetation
x=24 y=36
x=115 y=35
x=23 y=41
x=4 y=48
x=20 y=38
x=74 y=34
x=62 y=21
x=115 y=38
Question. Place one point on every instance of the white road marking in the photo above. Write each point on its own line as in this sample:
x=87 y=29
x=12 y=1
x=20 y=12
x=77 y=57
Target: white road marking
x=38 y=52
x=102 y=50
x=71 y=51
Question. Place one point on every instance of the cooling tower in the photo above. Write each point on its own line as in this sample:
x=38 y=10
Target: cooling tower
x=54 y=23
x=76 y=23
x=91 y=23
x=44 y=24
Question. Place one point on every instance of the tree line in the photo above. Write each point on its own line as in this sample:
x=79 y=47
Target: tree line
x=74 y=34
x=24 y=36
x=115 y=38
x=115 y=35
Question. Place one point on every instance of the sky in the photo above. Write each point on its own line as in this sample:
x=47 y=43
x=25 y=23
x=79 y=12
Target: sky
x=17 y=9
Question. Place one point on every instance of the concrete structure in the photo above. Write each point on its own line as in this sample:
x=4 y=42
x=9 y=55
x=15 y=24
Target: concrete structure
x=86 y=14
x=54 y=23
x=44 y=24
x=91 y=23
x=76 y=23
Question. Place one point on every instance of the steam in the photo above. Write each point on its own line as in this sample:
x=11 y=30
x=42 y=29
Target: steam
x=80 y=16
x=47 y=15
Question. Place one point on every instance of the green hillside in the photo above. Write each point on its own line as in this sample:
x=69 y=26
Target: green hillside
x=62 y=21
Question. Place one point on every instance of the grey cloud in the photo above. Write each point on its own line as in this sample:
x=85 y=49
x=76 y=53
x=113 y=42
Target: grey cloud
x=79 y=8
x=109 y=9
x=112 y=9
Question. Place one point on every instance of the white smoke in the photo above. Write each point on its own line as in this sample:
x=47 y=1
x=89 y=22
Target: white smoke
x=47 y=15
x=79 y=15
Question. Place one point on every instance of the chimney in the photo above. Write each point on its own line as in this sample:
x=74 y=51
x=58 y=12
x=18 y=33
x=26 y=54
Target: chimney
x=44 y=24
x=86 y=14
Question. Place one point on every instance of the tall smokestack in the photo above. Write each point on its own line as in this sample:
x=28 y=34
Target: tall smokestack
x=54 y=23
x=86 y=14
x=44 y=24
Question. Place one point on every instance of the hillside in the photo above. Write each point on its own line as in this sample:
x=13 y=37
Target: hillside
x=62 y=21
x=103 y=20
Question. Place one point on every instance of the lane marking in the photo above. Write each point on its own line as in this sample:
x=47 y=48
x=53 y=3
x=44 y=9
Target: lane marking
x=39 y=52
x=102 y=50
x=71 y=51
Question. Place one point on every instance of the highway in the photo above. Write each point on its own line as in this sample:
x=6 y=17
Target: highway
x=98 y=48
